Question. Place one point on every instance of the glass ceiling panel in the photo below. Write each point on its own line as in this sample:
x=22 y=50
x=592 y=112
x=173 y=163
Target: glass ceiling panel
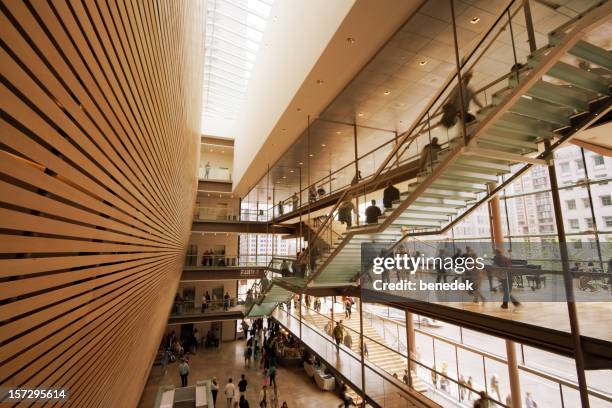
x=234 y=31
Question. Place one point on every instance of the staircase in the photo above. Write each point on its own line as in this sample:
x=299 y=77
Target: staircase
x=522 y=115
x=563 y=88
x=378 y=354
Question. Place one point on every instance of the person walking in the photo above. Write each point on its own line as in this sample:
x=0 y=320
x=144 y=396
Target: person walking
x=263 y=397
x=338 y=335
x=214 y=389
x=482 y=401
x=243 y=402
x=184 y=372
x=230 y=392
x=454 y=108
x=166 y=360
x=242 y=385
x=248 y=353
x=529 y=401
x=345 y=212
x=272 y=375
x=347 y=400
x=348 y=307
x=505 y=276
x=348 y=340
x=429 y=154
x=207 y=170
x=390 y=194
x=372 y=213
x=226 y=302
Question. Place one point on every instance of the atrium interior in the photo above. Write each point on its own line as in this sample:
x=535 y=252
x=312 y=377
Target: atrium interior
x=282 y=203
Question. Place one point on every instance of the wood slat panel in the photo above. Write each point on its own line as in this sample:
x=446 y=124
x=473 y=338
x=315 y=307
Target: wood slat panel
x=100 y=109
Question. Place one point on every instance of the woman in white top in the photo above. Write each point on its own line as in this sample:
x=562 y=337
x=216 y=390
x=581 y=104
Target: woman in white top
x=230 y=392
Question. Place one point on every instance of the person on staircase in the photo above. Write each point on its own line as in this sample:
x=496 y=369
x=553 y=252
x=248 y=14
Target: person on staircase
x=390 y=194
x=429 y=154
x=372 y=213
x=453 y=109
x=348 y=340
x=338 y=335
x=345 y=212
x=348 y=307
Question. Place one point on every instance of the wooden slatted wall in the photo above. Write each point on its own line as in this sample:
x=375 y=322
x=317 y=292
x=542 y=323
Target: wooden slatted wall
x=101 y=106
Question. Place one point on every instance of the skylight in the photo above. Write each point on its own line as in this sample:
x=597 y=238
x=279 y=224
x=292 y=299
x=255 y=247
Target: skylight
x=234 y=31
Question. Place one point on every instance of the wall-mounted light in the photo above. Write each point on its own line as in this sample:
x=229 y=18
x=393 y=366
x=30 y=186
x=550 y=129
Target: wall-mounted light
x=475 y=20
x=387 y=92
x=423 y=63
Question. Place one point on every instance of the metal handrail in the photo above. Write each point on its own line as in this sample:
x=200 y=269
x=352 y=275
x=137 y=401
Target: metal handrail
x=406 y=136
x=539 y=373
x=412 y=361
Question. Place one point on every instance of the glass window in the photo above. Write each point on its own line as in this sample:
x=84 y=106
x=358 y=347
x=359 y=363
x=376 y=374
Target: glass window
x=589 y=222
x=571 y=204
x=608 y=221
x=586 y=203
x=606 y=200
x=579 y=164
x=565 y=167
x=598 y=160
x=574 y=224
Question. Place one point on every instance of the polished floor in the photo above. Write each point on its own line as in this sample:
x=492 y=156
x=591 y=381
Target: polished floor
x=227 y=361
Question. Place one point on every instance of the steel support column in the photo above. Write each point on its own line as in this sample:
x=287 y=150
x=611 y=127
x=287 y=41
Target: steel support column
x=363 y=382
x=410 y=344
x=497 y=234
x=567 y=278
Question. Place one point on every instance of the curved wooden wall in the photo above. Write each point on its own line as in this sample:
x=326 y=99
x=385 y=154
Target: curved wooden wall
x=100 y=114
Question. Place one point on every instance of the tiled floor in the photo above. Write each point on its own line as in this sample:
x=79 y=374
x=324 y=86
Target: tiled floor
x=227 y=361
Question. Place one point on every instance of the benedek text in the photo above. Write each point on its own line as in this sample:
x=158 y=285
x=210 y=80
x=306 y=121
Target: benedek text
x=420 y=285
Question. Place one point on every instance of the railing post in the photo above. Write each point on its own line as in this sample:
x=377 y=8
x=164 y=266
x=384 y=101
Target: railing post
x=529 y=26
x=459 y=79
x=568 y=280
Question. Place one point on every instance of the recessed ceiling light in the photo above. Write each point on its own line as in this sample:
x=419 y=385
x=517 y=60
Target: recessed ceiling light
x=320 y=82
x=301 y=163
x=350 y=40
x=310 y=155
x=339 y=132
x=423 y=62
x=284 y=177
x=290 y=171
x=475 y=20
x=360 y=114
x=211 y=150
x=387 y=92
x=219 y=195
x=222 y=151
x=208 y=195
x=323 y=145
